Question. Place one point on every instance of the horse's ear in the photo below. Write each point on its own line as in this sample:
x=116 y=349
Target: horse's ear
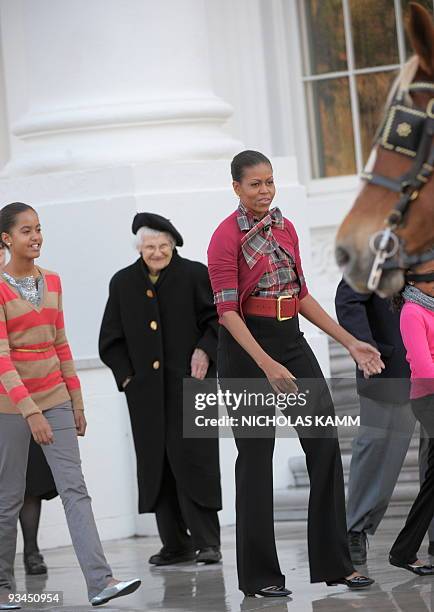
x=421 y=32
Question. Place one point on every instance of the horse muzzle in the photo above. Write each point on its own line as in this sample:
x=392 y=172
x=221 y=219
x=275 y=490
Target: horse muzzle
x=365 y=272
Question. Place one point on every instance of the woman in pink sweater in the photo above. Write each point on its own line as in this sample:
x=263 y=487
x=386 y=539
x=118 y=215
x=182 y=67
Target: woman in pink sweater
x=417 y=329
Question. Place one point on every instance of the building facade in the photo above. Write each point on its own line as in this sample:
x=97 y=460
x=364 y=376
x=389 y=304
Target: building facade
x=108 y=107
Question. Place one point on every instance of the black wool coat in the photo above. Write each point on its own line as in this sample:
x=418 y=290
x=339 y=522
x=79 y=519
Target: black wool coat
x=149 y=332
x=371 y=319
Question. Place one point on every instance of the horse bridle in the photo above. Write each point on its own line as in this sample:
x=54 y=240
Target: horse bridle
x=400 y=121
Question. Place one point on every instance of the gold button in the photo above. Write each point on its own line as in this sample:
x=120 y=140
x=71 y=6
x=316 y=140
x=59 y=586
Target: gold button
x=153 y=325
x=156 y=365
x=149 y=293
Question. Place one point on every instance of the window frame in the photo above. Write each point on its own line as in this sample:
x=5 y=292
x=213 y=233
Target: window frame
x=292 y=12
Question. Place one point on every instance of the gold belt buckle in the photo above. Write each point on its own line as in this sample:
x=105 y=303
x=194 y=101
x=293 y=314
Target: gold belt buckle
x=279 y=300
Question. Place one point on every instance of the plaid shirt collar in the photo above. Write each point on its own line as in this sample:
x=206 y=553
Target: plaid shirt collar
x=259 y=238
x=246 y=219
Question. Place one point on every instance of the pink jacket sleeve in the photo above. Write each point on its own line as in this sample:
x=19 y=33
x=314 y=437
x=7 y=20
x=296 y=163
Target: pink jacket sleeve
x=415 y=337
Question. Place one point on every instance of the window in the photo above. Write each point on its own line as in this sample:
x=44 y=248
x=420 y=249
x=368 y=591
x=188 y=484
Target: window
x=352 y=50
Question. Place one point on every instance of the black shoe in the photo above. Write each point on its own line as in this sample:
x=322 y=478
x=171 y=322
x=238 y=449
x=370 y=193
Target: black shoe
x=420 y=570
x=34 y=564
x=166 y=558
x=358 y=582
x=208 y=555
x=431 y=549
x=271 y=591
x=357 y=541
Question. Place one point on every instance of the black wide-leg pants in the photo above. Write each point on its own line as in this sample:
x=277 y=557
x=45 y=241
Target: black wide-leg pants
x=421 y=513
x=257 y=561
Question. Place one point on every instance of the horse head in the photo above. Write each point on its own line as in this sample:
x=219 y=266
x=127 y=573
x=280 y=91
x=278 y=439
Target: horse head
x=391 y=224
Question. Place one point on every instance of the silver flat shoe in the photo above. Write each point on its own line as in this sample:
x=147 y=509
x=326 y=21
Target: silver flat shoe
x=116 y=590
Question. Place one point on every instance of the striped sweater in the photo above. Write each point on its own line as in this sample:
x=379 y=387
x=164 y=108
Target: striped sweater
x=36 y=367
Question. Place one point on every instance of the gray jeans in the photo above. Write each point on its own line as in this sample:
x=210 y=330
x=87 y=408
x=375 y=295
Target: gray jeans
x=379 y=451
x=63 y=457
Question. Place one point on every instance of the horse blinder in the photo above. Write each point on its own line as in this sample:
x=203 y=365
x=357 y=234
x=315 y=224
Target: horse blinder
x=407 y=131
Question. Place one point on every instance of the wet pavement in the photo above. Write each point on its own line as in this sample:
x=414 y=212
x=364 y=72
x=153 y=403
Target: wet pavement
x=213 y=588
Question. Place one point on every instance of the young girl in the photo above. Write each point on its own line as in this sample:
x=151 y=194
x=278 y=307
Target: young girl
x=417 y=329
x=40 y=396
x=39 y=485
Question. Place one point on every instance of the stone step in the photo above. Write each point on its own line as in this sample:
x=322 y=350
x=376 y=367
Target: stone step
x=291 y=503
x=297 y=467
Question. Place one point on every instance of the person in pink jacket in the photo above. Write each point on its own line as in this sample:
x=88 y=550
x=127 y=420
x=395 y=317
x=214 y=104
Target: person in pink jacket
x=417 y=329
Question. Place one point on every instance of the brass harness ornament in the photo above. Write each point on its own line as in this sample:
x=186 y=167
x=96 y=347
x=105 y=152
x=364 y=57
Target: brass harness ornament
x=404 y=129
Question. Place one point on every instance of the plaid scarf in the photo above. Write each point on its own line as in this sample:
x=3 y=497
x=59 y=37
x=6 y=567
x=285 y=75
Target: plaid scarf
x=259 y=238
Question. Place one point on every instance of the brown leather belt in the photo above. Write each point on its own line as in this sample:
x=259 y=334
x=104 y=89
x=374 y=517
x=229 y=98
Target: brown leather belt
x=282 y=308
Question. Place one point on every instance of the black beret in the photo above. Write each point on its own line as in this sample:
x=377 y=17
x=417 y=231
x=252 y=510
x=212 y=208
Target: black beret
x=156 y=222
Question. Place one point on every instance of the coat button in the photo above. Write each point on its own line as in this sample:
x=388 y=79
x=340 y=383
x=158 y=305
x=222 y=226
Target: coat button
x=149 y=293
x=153 y=325
x=156 y=365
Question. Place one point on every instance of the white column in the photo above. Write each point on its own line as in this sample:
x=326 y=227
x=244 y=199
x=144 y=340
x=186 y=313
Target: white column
x=107 y=82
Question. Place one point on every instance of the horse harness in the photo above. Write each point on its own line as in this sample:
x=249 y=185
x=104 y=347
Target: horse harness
x=408 y=131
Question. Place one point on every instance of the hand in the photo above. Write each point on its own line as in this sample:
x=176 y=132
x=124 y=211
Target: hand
x=199 y=364
x=367 y=357
x=40 y=428
x=80 y=422
x=279 y=377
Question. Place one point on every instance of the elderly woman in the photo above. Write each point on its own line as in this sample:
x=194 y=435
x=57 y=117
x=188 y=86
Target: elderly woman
x=159 y=327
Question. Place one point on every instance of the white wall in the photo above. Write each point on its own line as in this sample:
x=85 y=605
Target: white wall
x=103 y=153
x=86 y=219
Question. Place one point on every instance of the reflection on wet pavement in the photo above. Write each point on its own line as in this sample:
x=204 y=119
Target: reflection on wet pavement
x=192 y=588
